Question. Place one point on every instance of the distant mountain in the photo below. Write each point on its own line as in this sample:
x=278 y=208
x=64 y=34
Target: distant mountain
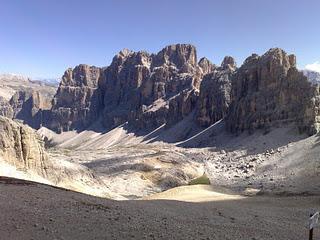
x=47 y=81
x=312 y=76
x=10 y=78
x=25 y=99
x=13 y=77
x=11 y=83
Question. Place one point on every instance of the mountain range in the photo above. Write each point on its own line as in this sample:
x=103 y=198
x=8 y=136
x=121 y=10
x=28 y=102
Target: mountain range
x=152 y=90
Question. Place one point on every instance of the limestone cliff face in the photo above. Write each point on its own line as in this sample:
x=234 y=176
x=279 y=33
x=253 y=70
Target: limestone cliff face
x=215 y=91
x=136 y=81
x=28 y=106
x=310 y=122
x=21 y=146
x=268 y=91
x=5 y=108
x=149 y=90
x=182 y=105
x=206 y=66
x=25 y=99
x=122 y=86
x=78 y=99
x=130 y=89
x=182 y=56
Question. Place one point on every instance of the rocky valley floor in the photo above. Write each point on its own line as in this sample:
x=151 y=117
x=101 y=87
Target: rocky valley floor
x=263 y=186
x=280 y=162
x=35 y=211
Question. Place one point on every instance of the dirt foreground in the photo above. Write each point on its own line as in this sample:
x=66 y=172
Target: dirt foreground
x=35 y=211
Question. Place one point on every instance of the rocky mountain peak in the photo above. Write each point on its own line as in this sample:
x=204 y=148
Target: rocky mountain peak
x=178 y=55
x=137 y=80
x=150 y=90
x=78 y=98
x=128 y=58
x=293 y=60
x=228 y=62
x=278 y=57
x=267 y=91
x=251 y=60
x=206 y=65
x=214 y=99
x=124 y=53
x=81 y=75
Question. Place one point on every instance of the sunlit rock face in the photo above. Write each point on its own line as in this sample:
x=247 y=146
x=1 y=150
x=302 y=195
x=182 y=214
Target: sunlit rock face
x=5 y=108
x=21 y=147
x=146 y=88
x=29 y=105
x=78 y=100
x=25 y=99
x=269 y=91
x=137 y=87
x=151 y=90
x=215 y=91
x=206 y=66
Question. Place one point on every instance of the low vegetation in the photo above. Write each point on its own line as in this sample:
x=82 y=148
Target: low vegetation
x=200 y=180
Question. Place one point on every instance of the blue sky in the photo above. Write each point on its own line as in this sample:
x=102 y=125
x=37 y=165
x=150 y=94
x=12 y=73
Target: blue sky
x=41 y=38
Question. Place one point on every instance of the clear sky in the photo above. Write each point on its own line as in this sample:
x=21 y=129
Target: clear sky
x=41 y=38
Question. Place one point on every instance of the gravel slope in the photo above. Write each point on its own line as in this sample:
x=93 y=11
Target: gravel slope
x=35 y=211
x=281 y=161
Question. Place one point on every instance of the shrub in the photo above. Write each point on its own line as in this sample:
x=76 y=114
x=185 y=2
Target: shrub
x=200 y=180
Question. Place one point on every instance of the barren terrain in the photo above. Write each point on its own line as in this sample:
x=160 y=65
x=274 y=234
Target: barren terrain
x=281 y=161
x=35 y=211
